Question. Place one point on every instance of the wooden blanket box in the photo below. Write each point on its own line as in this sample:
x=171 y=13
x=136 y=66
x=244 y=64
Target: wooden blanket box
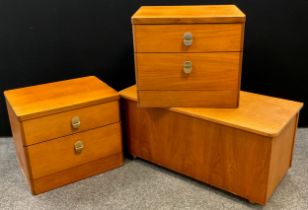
x=245 y=151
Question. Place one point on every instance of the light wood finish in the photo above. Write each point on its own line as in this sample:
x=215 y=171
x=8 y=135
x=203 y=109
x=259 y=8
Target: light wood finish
x=188 y=14
x=206 y=38
x=257 y=113
x=59 y=154
x=239 y=161
x=70 y=175
x=210 y=71
x=45 y=99
x=57 y=125
x=216 y=55
x=219 y=98
x=18 y=137
x=281 y=155
x=45 y=138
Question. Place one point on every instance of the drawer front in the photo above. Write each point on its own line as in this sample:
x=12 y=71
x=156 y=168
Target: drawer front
x=205 y=38
x=57 y=125
x=209 y=71
x=56 y=155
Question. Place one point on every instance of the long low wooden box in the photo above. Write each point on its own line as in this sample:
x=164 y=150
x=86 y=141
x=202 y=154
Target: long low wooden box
x=245 y=151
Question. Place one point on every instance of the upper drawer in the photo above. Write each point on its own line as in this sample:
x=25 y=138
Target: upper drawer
x=206 y=71
x=57 y=125
x=66 y=152
x=176 y=38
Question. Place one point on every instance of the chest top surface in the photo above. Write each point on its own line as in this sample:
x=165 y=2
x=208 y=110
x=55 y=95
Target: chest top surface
x=39 y=100
x=188 y=14
x=257 y=113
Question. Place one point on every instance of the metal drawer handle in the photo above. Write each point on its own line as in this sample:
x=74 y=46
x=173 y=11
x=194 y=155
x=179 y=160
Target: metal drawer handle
x=75 y=122
x=187 y=39
x=187 y=67
x=78 y=147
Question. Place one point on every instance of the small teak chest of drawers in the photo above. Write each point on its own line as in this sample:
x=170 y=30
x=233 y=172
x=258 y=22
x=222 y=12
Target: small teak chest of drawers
x=65 y=131
x=245 y=151
x=188 y=55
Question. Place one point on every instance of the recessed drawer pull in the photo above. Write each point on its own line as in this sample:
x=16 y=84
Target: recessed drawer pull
x=187 y=39
x=78 y=147
x=187 y=67
x=75 y=122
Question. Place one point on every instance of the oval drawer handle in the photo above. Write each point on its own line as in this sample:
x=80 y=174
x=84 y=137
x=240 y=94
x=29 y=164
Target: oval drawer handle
x=187 y=67
x=187 y=39
x=75 y=122
x=78 y=147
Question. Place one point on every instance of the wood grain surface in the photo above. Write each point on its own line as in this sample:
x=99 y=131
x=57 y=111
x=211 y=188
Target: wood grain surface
x=59 y=154
x=244 y=163
x=166 y=98
x=206 y=38
x=57 y=125
x=188 y=14
x=18 y=137
x=210 y=71
x=41 y=122
x=74 y=174
x=40 y=100
x=281 y=155
x=160 y=52
x=257 y=113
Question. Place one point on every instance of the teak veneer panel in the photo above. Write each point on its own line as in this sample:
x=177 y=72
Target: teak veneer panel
x=188 y=14
x=41 y=123
x=18 y=137
x=248 y=164
x=50 y=98
x=57 y=125
x=74 y=174
x=282 y=150
x=58 y=154
x=260 y=114
x=210 y=71
x=221 y=98
x=206 y=38
x=212 y=60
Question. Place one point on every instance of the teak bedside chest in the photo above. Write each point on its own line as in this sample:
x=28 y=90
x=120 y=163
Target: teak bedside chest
x=188 y=55
x=245 y=151
x=65 y=131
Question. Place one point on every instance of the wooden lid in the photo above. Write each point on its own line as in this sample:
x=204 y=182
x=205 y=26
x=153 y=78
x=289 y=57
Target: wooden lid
x=257 y=113
x=188 y=14
x=40 y=100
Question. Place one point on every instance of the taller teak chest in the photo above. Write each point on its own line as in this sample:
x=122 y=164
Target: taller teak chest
x=65 y=131
x=188 y=55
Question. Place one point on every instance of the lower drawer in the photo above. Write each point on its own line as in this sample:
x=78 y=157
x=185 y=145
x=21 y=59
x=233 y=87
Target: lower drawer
x=188 y=71
x=59 y=154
